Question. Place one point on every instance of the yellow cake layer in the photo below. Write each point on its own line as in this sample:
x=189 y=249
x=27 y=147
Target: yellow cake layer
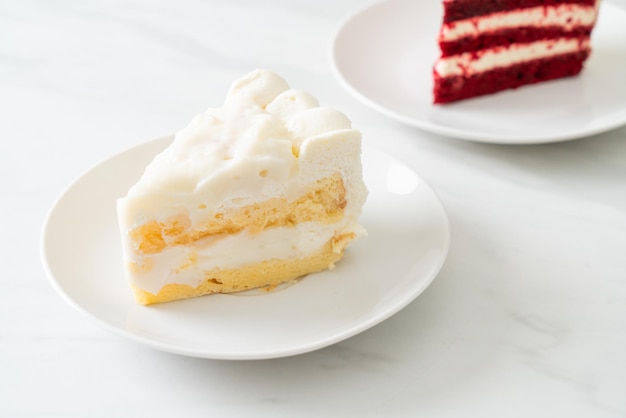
x=324 y=203
x=268 y=273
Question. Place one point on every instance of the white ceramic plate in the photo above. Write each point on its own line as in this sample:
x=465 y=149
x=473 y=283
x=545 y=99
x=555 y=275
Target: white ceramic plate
x=384 y=54
x=380 y=274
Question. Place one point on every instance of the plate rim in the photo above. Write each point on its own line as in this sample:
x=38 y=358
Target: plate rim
x=291 y=350
x=451 y=132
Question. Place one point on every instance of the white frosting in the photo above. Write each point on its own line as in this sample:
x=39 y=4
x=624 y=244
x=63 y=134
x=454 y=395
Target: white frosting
x=263 y=127
x=267 y=140
x=470 y=63
x=565 y=16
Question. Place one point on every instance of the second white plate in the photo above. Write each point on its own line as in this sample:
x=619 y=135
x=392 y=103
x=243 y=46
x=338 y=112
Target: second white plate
x=384 y=54
x=380 y=274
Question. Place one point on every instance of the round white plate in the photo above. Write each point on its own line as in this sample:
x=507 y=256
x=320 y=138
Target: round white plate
x=384 y=55
x=380 y=274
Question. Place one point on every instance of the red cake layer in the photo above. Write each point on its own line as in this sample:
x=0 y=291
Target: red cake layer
x=510 y=36
x=464 y=9
x=455 y=88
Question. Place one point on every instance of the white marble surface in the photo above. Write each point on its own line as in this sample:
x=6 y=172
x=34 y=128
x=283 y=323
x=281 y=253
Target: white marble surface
x=527 y=317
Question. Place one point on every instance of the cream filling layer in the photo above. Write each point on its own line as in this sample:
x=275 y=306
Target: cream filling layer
x=566 y=16
x=187 y=264
x=471 y=63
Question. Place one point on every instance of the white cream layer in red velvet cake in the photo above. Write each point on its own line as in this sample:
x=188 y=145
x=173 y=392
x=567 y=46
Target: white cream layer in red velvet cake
x=489 y=46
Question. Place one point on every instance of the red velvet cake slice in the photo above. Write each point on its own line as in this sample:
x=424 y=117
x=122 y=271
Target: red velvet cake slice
x=492 y=45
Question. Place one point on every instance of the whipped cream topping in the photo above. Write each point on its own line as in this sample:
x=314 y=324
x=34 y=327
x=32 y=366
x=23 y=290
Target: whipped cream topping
x=470 y=63
x=565 y=16
x=263 y=142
